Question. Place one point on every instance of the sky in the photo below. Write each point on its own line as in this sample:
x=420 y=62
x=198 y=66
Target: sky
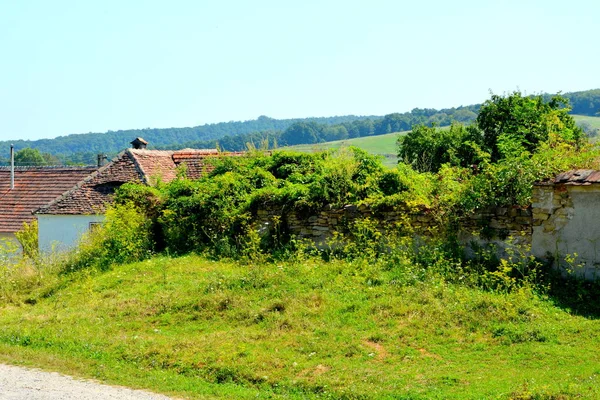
x=92 y=66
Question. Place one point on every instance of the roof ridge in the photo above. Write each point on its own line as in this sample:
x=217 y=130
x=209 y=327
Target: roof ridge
x=138 y=167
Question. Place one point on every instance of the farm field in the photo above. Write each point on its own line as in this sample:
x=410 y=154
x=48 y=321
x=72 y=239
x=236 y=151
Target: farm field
x=197 y=328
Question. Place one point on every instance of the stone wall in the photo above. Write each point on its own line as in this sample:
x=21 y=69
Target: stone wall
x=553 y=207
x=489 y=225
x=562 y=225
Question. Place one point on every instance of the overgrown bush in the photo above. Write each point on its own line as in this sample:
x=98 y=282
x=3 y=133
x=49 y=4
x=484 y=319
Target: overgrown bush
x=125 y=236
x=529 y=120
x=215 y=212
x=28 y=238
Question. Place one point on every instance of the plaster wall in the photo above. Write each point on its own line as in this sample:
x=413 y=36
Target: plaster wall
x=63 y=232
x=566 y=223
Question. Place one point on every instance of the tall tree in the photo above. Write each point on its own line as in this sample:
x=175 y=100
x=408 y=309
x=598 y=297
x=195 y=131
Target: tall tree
x=426 y=148
x=528 y=120
x=29 y=157
x=300 y=133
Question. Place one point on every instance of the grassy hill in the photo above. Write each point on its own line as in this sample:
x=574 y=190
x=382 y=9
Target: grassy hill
x=383 y=145
x=593 y=122
x=302 y=329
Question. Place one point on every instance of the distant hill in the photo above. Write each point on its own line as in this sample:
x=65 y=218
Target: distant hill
x=235 y=135
x=584 y=103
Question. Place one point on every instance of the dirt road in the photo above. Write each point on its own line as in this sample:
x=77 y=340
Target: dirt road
x=18 y=383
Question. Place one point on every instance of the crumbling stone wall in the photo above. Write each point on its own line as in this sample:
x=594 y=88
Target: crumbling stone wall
x=561 y=225
x=488 y=225
x=553 y=207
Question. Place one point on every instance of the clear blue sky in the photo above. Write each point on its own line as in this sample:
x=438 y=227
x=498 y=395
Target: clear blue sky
x=92 y=66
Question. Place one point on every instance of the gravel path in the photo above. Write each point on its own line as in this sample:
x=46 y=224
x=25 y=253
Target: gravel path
x=18 y=383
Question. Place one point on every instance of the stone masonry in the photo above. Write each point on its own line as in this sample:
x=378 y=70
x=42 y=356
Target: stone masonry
x=493 y=225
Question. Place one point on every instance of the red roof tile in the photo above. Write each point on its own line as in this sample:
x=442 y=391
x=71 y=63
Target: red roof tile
x=91 y=195
x=34 y=187
x=154 y=165
x=195 y=161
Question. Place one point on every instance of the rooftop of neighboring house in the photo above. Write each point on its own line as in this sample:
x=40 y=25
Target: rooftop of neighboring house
x=575 y=177
x=93 y=194
x=33 y=188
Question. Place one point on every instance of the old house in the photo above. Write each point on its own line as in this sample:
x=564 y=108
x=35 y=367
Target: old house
x=28 y=189
x=62 y=221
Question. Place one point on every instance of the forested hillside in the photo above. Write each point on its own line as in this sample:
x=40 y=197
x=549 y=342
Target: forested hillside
x=583 y=103
x=265 y=131
x=309 y=132
x=84 y=147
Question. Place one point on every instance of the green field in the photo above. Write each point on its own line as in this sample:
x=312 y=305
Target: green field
x=198 y=328
x=591 y=126
x=594 y=122
x=385 y=145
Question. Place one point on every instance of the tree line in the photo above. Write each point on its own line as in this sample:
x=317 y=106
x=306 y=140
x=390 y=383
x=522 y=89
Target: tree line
x=310 y=132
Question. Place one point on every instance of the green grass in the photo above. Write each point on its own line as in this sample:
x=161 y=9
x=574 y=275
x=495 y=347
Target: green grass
x=383 y=145
x=594 y=122
x=197 y=328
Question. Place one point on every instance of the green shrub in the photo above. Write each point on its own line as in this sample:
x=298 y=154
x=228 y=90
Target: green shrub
x=28 y=238
x=392 y=182
x=426 y=149
x=125 y=236
x=530 y=120
x=208 y=212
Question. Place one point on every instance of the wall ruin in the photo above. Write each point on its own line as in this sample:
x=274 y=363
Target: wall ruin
x=566 y=229
x=486 y=226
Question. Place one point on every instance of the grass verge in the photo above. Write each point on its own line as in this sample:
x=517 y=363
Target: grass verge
x=197 y=328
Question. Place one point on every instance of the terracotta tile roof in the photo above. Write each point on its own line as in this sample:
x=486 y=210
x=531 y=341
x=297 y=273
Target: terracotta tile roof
x=34 y=187
x=92 y=195
x=195 y=161
x=576 y=177
x=154 y=164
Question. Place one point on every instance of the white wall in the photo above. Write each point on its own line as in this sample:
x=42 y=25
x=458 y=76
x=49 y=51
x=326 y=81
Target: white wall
x=572 y=229
x=62 y=232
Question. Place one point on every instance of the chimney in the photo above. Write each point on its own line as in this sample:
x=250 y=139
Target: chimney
x=101 y=159
x=12 y=166
x=139 y=143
